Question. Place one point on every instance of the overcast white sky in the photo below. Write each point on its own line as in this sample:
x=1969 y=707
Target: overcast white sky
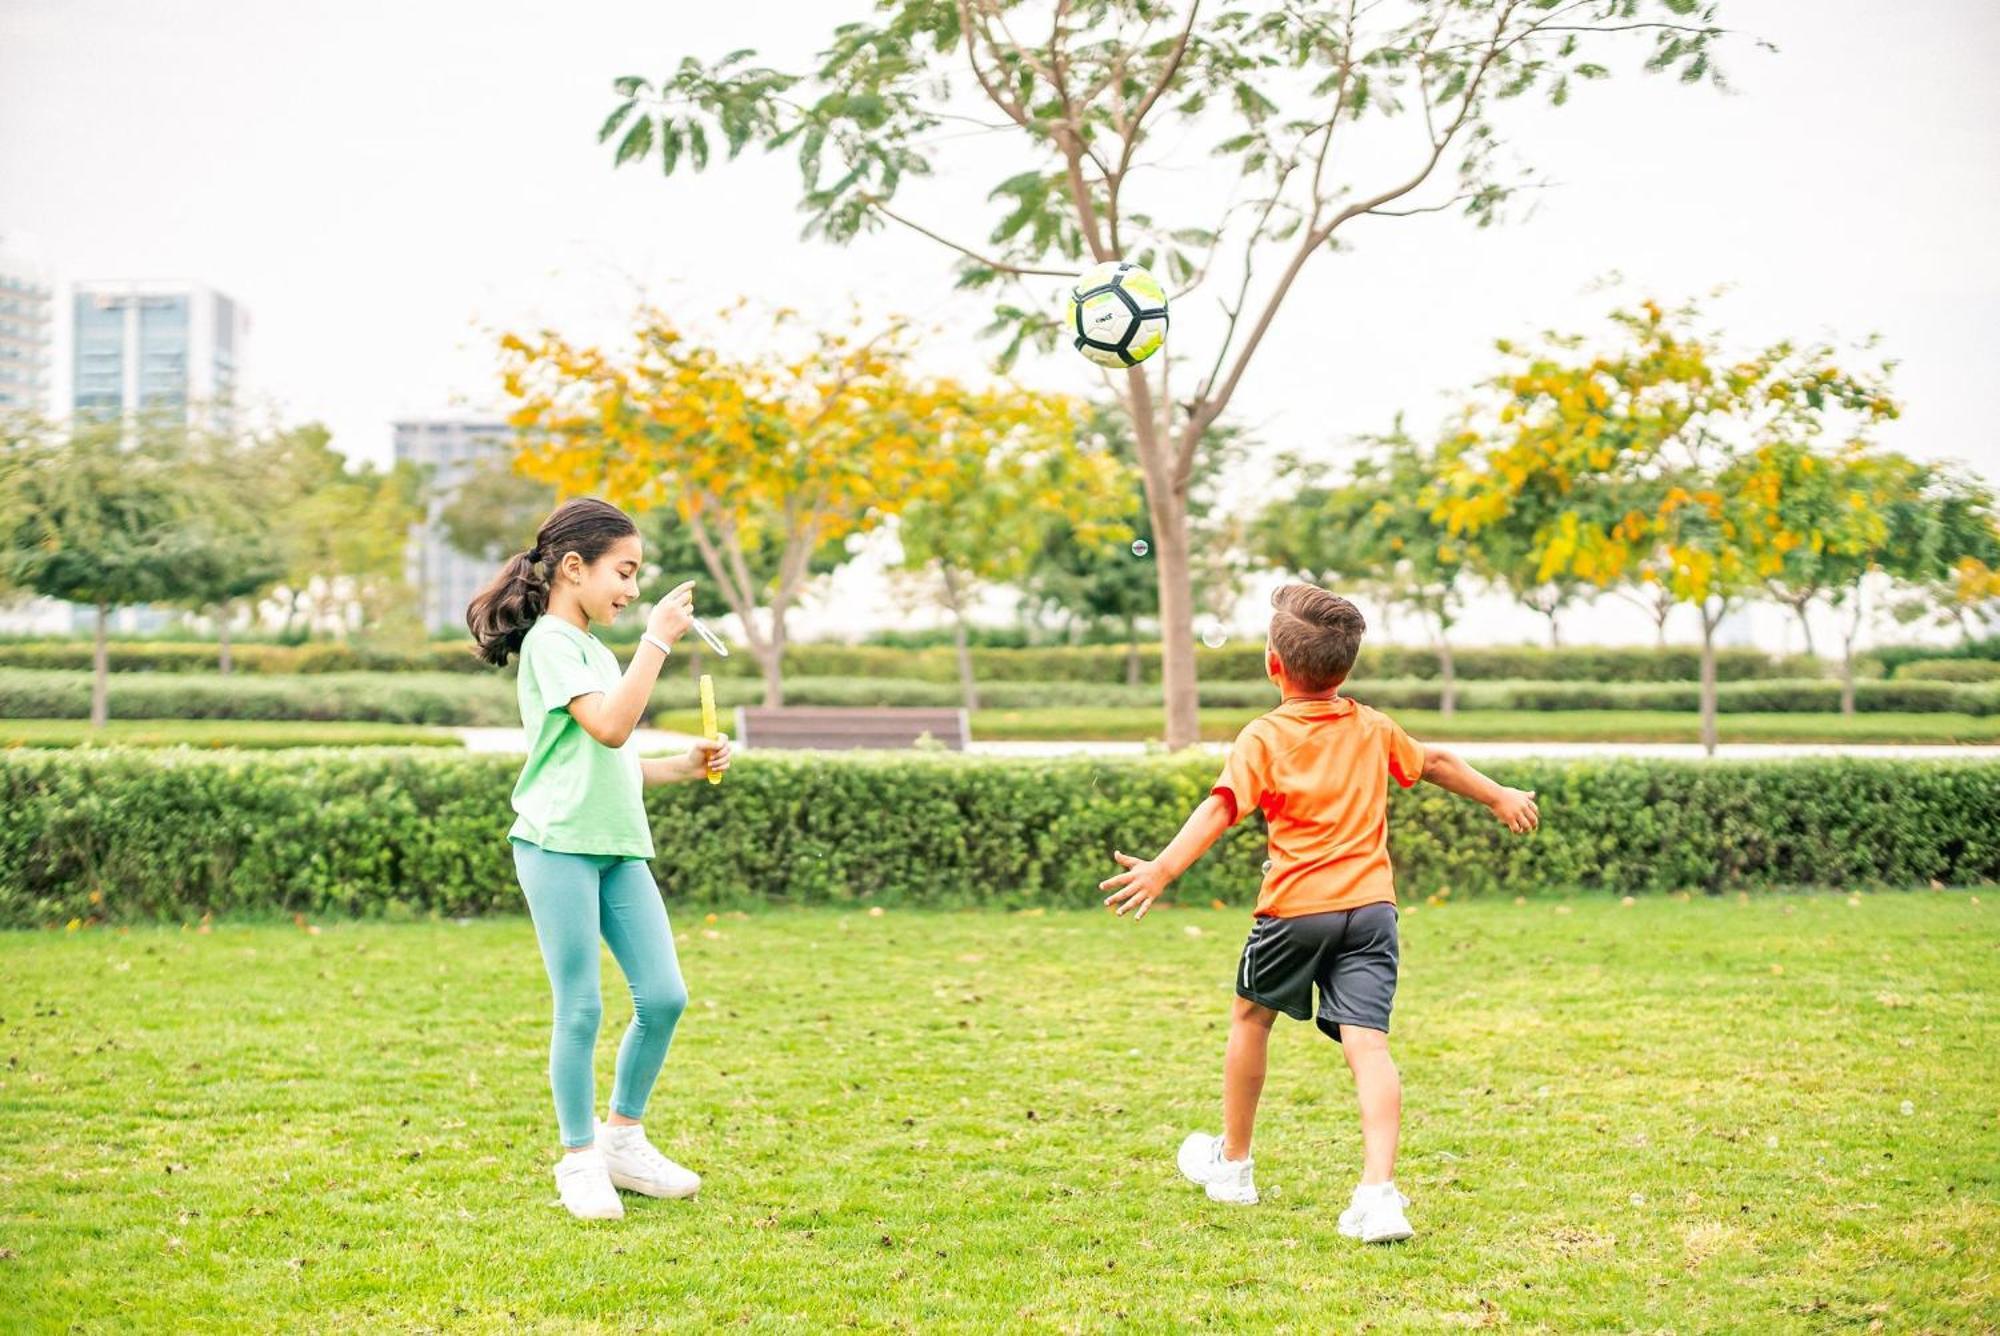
x=382 y=182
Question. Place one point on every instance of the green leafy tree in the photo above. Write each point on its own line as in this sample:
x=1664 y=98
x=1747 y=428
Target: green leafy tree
x=1323 y=115
x=104 y=514
x=995 y=497
x=494 y=511
x=1376 y=533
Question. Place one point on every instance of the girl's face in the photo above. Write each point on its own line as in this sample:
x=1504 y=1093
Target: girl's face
x=605 y=586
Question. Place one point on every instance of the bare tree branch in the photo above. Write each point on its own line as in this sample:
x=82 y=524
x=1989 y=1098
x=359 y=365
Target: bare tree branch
x=998 y=266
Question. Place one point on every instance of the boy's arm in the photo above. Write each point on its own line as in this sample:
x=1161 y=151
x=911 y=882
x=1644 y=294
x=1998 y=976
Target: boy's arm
x=1144 y=881
x=1515 y=807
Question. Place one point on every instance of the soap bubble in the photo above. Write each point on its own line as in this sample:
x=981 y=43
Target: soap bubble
x=1214 y=636
x=1140 y=547
x=1267 y=867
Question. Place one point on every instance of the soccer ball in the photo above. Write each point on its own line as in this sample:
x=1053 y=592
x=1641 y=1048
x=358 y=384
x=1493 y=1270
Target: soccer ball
x=1117 y=314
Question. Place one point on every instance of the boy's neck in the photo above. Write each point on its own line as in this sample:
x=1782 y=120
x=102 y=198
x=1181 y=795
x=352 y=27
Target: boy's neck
x=1289 y=695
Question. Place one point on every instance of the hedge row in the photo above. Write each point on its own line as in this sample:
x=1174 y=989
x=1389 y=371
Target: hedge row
x=1104 y=664
x=137 y=836
x=1950 y=670
x=444 y=698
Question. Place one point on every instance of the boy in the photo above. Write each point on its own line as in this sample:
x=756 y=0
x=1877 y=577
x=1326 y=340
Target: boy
x=1318 y=767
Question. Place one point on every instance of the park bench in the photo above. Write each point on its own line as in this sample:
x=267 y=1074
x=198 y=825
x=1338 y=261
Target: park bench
x=829 y=729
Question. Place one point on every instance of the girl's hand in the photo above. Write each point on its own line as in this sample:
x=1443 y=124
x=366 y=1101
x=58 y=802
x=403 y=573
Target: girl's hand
x=705 y=756
x=673 y=614
x=1516 y=810
x=1135 y=888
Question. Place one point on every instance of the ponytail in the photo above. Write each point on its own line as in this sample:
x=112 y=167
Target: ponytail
x=500 y=614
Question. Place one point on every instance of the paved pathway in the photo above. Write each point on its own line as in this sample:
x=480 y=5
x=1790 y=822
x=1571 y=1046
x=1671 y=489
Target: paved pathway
x=653 y=740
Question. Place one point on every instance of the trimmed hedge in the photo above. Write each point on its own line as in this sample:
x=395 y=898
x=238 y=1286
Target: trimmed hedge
x=1950 y=670
x=135 y=836
x=1081 y=663
x=448 y=698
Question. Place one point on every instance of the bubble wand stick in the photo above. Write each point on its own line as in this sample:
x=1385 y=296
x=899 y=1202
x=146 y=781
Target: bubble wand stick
x=708 y=719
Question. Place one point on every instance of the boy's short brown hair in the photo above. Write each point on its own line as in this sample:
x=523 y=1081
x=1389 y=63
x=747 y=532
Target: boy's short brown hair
x=1316 y=635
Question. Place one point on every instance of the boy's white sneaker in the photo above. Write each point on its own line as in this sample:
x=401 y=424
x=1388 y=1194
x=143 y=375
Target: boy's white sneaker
x=1231 y=1181
x=586 y=1187
x=1376 y=1215
x=634 y=1163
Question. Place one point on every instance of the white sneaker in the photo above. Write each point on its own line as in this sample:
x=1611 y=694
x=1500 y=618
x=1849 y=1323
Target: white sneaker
x=1376 y=1215
x=1229 y=1181
x=586 y=1188
x=634 y=1164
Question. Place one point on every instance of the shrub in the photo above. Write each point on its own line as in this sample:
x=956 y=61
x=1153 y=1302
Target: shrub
x=1950 y=670
x=129 y=835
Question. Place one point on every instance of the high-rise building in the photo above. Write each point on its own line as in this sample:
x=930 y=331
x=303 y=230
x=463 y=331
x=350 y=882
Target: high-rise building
x=26 y=336
x=449 y=448
x=157 y=347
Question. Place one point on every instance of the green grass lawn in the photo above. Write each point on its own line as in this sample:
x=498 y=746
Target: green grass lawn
x=1724 y=1115
x=1135 y=725
x=256 y=733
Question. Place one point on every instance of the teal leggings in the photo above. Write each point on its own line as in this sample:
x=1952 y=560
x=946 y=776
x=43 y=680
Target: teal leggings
x=574 y=898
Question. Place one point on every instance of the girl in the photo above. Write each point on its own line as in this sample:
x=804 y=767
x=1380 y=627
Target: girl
x=581 y=839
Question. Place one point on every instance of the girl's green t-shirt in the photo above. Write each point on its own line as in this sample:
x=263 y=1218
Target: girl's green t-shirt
x=575 y=795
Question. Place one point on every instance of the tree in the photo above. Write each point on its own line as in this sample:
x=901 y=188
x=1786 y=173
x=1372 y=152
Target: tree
x=1660 y=461
x=795 y=452
x=243 y=556
x=988 y=510
x=1375 y=532
x=1119 y=89
x=99 y=513
x=495 y=511
x=1951 y=570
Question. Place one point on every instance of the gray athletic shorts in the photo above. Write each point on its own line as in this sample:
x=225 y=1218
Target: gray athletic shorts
x=1348 y=954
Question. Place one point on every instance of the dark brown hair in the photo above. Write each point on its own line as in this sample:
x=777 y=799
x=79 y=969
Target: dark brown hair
x=1316 y=635
x=500 y=614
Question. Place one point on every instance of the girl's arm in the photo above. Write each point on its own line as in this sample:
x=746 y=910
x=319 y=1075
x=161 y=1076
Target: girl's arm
x=1143 y=882
x=610 y=716
x=700 y=759
x=1515 y=807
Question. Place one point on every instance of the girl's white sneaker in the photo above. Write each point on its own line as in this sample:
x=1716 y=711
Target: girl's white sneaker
x=1231 y=1181
x=1376 y=1215
x=586 y=1188
x=634 y=1163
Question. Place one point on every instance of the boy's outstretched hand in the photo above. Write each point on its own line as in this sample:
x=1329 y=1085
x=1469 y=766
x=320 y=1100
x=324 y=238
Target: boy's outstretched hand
x=1516 y=810
x=1136 y=887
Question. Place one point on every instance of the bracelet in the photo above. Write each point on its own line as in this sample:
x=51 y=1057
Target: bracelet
x=651 y=639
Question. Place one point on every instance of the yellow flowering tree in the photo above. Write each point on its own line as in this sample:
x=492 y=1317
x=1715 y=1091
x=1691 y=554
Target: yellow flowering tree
x=767 y=459
x=1659 y=460
x=1017 y=470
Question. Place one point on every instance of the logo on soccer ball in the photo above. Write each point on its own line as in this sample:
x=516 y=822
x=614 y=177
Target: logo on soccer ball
x=1117 y=314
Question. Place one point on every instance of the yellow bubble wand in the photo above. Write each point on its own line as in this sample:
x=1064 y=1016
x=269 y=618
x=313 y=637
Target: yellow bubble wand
x=708 y=719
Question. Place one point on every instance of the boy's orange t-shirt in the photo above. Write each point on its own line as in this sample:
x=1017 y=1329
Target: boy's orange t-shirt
x=1319 y=770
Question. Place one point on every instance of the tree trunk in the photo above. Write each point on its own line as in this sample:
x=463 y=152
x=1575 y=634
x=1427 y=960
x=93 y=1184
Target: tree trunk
x=1555 y=629
x=100 y=678
x=1177 y=668
x=772 y=661
x=1134 y=675
x=968 y=689
x=1447 y=675
x=1847 y=657
x=1805 y=626
x=223 y=617
x=1708 y=726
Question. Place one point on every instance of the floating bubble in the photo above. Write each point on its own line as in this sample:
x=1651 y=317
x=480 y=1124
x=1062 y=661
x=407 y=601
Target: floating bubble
x=1140 y=547
x=1214 y=636
x=1267 y=867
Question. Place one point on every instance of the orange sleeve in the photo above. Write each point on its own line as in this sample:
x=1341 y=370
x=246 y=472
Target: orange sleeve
x=1245 y=777
x=1406 y=754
